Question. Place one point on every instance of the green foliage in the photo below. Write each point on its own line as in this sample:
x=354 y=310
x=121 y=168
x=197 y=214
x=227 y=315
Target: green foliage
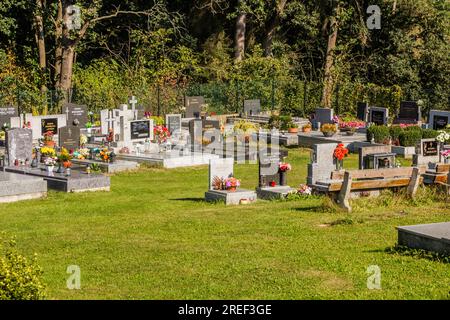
x=380 y=134
x=20 y=278
x=395 y=132
x=429 y=134
x=280 y=122
x=410 y=137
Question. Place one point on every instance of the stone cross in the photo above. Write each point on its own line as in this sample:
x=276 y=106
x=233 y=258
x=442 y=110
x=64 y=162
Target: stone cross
x=133 y=101
x=111 y=120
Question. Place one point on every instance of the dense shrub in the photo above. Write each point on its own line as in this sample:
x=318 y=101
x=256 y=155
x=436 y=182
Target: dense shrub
x=429 y=134
x=19 y=277
x=395 y=132
x=380 y=134
x=410 y=138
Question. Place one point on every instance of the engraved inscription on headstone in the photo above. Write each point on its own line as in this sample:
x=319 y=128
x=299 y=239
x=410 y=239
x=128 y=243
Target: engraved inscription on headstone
x=173 y=123
x=140 y=129
x=6 y=113
x=19 y=145
x=69 y=137
x=194 y=106
x=77 y=115
x=252 y=107
x=49 y=125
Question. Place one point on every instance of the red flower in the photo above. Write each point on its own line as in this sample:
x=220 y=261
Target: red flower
x=273 y=183
x=340 y=152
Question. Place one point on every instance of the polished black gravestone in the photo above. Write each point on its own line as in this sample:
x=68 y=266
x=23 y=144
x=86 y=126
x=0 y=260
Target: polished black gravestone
x=431 y=237
x=78 y=181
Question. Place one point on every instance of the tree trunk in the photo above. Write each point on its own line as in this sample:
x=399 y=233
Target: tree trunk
x=328 y=76
x=59 y=49
x=66 y=69
x=40 y=41
x=394 y=6
x=239 y=49
x=272 y=28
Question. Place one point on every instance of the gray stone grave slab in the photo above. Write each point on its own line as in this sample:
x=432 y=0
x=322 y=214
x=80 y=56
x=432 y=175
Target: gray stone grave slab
x=78 y=181
x=77 y=115
x=438 y=119
x=270 y=193
x=431 y=237
x=378 y=116
x=17 y=187
x=252 y=107
x=108 y=167
x=193 y=106
x=69 y=137
x=221 y=168
x=19 y=145
x=367 y=150
x=240 y=196
x=322 y=162
x=427 y=152
x=268 y=170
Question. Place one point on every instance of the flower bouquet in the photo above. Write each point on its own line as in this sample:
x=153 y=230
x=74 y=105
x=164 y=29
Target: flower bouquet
x=446 y=155
x=304 y=190
x=283 y=167
x=50 y=163
x=231 y=184
x=161 y=134
x=443 y=136
x=307 y=127
x=339 y=154
x=48 y=139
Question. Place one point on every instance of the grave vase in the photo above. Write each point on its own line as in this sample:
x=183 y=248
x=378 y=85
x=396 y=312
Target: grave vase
x=339 y=165
x=50 y=169
x=283 y=178
x=60 y=168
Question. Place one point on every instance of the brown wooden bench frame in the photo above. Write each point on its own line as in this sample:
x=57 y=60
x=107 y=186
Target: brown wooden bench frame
x=355 y=180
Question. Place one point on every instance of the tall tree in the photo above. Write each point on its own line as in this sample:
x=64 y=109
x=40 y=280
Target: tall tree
x=239 y=49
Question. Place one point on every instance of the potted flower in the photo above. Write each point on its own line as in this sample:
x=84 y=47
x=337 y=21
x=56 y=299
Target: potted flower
x=307 y=127
x=231 y=184
x=89 y=128
x=64 y=158
x=48 y=139
x=446 y=155
x=339 y=154
x=328 y=129
x=50 y=163
x=350 y=127
x=282 y=169
x=47 y=152
x=304 y=190
x=292 y=127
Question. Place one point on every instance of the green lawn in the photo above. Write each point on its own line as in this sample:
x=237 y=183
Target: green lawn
x=153 y=237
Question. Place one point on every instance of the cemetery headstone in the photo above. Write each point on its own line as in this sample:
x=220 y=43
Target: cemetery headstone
x=439 y=119
x=268 y=171
x=19 y=145
x=409 y=112
x=140 y=129
x=428 y=151
x=69 y=137
x=362 y=111
x=173 y=123
x=221 y=168
x=378 y=116
x=322 y=162
x=49 y=125
x=194 y=106
x=324 y=115
x=6 y=113
x=381 y=150
x=252 y=107
x=77 y=115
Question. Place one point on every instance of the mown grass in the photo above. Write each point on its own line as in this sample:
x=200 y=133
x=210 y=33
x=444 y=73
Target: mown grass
x=153 y=237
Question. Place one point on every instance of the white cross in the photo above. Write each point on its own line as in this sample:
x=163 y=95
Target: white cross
x=133 y=101
x=111 y=120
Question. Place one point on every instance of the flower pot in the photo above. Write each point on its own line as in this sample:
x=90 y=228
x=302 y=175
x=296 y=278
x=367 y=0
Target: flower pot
x=306 y=129
x=293 y=130
x=50 y=169
x=350 y=133
x=60 y=169
x=231 y=189
x=329 y=133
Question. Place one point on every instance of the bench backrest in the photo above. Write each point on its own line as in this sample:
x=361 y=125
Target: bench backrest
x=376 y=173
x=442 y=167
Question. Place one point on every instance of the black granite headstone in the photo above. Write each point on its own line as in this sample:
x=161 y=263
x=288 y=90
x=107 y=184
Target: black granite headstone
x=49 y=125
x=430 y=148
x=194 y=106
x=409 y=110
x=69 y=137
x=362 y=111
x=440 y=122
x=77 y=115
x=377 y=117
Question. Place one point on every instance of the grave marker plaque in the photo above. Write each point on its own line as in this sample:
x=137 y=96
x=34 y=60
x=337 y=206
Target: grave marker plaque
x=49 y=125
x=140 y=129
x=440 y=122
x=430 y=148
x=69 y=137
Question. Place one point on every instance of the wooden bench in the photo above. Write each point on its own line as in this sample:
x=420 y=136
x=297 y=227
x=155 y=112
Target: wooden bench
x=439 y=175
x=343 y=183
